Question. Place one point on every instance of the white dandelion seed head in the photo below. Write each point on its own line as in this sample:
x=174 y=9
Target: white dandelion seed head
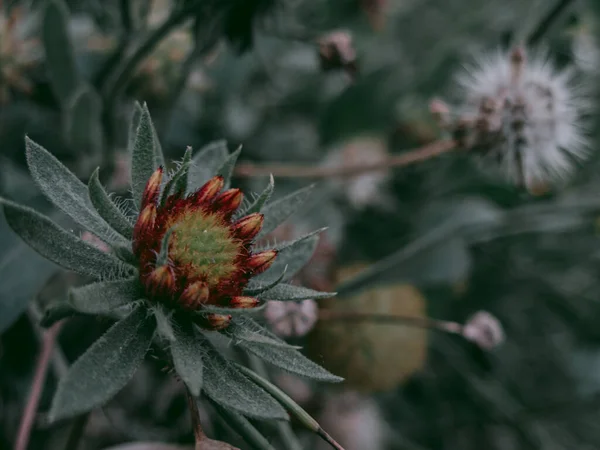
x=521 y=114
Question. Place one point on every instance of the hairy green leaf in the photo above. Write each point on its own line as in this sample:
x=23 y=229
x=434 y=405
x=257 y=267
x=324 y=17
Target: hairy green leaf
x=255 y=288
x=66 y=191
x=59 y=246
x=278 y=211
x=226 y=386
x=226 y=169
x=288 y=359
x=60 y=54
x=260 y=201
x=288 y=292
x=107 y=209
x=244 y=329
x=103 y=297
x=106 y=367
x=294 y=256
x=146 y=155
x=134 y=123
x=179 y=179
x=23 y=272
x=205 y=164
x=188 y=357
x=56 y=312
x=244 y=428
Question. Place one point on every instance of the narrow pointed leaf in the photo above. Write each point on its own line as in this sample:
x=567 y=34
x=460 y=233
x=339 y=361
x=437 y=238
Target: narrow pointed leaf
x=60 y=54
x=244 y=428
x=179 y=179
x=164 y=321
x=226 y=169
x=294 y=408
x=205 y=164
x=288 y=359
x=234 y=311
x=293 y=256
x=261 y=200
x=106 y=367
x=187 y=357
x=134 y=123
x=288 y=292
x=103 y=297
x=146 y=155
x=107 y=209
x=66 y=191
x=278 y=211
x=255 y=288
x=59 y=246
x=226 y=386
x=244 y=329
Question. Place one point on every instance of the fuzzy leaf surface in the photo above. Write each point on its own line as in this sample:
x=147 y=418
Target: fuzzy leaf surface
x=245 y=329
x=66 y=191
x=226 y=169
x=228 y=387
x=58 y=48
x=103 y=297
x=107 y=209
x=255 y=288
x=188 y=357
x=288 y=292
x=179 y=179
x=278 y=211
x=146 y=155
x=106 y=367
x=23 y=271
x=294 y=256
x=257 y=205
x=60 y=246
x=288 y=359
x=205 y=164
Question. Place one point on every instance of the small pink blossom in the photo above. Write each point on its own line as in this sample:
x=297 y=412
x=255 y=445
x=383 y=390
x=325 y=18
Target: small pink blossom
x=485 y=330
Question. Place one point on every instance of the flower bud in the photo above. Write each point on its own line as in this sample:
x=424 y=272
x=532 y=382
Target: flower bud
x=143 y=226
x=260 y=262
x=242 y=302
x=227 y=202
x=195 y=295
x=161 y=282
x=152 y=190
x=248 y=227
x=208 y=191
x=217 y=321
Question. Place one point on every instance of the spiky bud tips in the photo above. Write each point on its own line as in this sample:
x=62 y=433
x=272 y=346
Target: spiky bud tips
x=215 y=321
x=227 y=202
x=143 y=227
x=161 y=282
x=209 y=190
x=260 y=262
x=248 y=227
x=152 y=190
x=242 y=302
x=195 y=295
x=523 y=117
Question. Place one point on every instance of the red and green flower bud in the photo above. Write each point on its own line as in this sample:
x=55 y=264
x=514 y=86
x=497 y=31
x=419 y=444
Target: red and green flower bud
x=152 y=190
x=143 y=227
x=260 y=262
x=216 y=321
x=243 y=302
x=248 y=227
x=160 y=283
x=227 y=202
x=195 y=295
x=208 y=191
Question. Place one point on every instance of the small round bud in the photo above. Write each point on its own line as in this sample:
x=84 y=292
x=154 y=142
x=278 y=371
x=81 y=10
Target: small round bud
x=484 y=330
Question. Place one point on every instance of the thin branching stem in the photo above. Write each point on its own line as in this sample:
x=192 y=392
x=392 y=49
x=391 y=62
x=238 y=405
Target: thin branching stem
x=294 y=171
x=37 y=387
x=419 y=322
x=199 y=434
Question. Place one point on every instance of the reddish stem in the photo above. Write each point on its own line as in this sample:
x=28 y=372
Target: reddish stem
x=39 y=378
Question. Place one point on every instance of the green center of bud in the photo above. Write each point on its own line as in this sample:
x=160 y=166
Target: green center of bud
x=203 y=243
